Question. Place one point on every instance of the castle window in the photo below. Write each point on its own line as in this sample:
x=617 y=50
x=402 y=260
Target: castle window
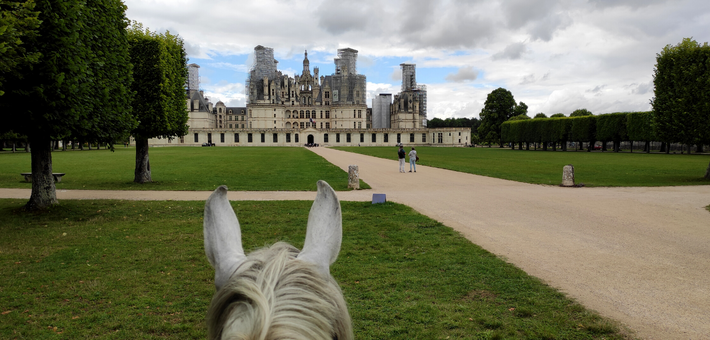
x=362 y=138
x=249 y=138
x=423 y=137
x=196 y=138
x=295 y=138
x=301 y=113
x=308 y=114
x=325 y=138
x=321 y=114
x=276 y=138
x=263 y=137
x=359 y=113
x=337 y=138
x=387 y=135
x=354 y=113
x=440 y=137
x=327 y=125
x=359 y=125
x=327 y=114
x=302 y=125
x=221 y=137
x=374 y=138
x=236 y=138
x=347 y=138
x=411 y=138
x=399 y=138
x=288 y=138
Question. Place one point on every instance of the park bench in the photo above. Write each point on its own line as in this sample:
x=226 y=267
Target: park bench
x=57 y=176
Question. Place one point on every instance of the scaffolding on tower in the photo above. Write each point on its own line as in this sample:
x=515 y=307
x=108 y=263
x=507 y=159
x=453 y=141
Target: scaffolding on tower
x=263 y=65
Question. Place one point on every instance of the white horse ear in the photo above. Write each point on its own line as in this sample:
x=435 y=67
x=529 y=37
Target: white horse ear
x=325 y=230
x=223 y=237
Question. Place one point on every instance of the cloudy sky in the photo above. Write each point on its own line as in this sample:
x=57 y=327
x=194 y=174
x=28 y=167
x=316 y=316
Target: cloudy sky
x=554 y=55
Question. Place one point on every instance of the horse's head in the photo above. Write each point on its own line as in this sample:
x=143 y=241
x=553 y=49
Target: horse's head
x=276 y=292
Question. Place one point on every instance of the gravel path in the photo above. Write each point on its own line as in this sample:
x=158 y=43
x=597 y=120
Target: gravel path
x=637 y=255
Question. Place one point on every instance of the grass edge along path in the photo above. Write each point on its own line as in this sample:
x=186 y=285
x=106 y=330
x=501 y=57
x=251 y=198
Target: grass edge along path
x=545 y=167
x=185 y=168
x=137 y=270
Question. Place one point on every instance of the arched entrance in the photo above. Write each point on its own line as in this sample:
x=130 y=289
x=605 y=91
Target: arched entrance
x=310 y=139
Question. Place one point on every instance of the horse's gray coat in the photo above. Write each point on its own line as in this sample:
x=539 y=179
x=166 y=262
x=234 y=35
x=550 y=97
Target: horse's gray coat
x=276 y=292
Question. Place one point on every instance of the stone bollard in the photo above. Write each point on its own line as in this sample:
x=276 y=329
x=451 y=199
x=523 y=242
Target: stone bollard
x=568 y=176
x=353 y=177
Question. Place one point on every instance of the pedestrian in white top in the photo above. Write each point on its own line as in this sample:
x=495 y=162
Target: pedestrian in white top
x=412 y=160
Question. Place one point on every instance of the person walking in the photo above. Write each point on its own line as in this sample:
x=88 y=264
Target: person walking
x=401 y=155
x=413 y=160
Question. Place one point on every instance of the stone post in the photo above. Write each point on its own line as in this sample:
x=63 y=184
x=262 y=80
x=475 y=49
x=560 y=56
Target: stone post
x=568 y=176
x=353 y=177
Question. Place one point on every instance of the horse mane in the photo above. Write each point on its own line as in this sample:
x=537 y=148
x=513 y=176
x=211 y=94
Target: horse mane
x=273 y=295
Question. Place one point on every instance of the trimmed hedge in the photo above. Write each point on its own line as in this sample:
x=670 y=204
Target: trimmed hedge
x=611 y=127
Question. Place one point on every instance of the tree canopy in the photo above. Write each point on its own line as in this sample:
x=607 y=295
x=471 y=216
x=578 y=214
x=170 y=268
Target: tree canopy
x=18 y=23
x=681 y=104
x=519 y=117
x=498 y=108
x=558 y=115
x=580 y=113
x=540 y=115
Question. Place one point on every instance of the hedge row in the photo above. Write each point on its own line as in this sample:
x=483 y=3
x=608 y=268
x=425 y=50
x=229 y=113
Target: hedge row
x=612 y=127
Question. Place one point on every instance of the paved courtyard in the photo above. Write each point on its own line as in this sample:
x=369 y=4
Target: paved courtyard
x=637 y=255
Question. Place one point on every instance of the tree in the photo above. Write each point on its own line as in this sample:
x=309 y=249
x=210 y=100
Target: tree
x=18 y=23
x=499 y=107
x=540 y=115
x=160 y=73
x=519 y=117
x=580 y=113
x=558 y=115
x=681 y=102
x=77 y=87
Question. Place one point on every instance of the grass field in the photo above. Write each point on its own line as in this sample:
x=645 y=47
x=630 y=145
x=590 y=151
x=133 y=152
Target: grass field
x=545 y=167
x=137 y=270
x=184 y=168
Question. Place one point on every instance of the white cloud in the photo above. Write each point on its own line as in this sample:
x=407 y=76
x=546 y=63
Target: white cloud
x=466 y=73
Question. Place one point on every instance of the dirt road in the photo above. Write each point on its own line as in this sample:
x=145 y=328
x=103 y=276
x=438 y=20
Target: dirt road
x=637 y=255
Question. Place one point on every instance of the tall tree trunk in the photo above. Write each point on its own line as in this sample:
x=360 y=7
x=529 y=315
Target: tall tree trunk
x=14 y=147
x=142 y=173
x=647 y=147
x=27 y=146
x=699 y=148
x=43 y=190
x=707 y=172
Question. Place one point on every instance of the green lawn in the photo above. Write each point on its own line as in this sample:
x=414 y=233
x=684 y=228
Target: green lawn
x=184 y=168
x=545 y=167
x=137 y=270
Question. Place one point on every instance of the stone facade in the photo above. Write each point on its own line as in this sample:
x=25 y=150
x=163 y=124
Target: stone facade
x=312 y=109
